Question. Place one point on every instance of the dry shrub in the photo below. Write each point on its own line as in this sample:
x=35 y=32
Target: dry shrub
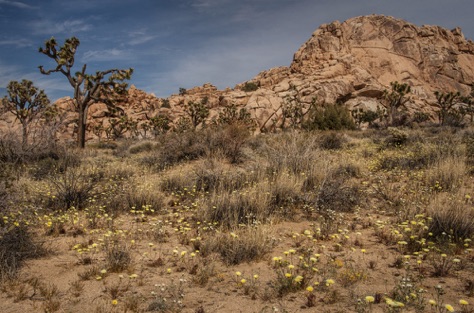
x=175 y=148
x=17 y=245
x=126 y=195
x=246 y=245
x=228 y=141
x=452 y=220
x=405 y=158
x=337 y=192
x=293 y=152
x=214 y=175
x=177 y=180
x=143 y=146
x=446 y=174
x=469 y=141
x=118 y=257
x=246 y=206
x=54 y=163
x=73 y=187
x=285 y=193
x=332 y=141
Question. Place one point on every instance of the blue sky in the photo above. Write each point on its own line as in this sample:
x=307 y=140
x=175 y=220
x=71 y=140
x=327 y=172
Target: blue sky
x=186 y=43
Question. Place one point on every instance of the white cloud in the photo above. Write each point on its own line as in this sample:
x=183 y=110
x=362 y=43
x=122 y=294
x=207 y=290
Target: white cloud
x=105 y=55
x=17 y=4
x=19 y=43
x=139 y=37
x=65 y=27
x=208 y=3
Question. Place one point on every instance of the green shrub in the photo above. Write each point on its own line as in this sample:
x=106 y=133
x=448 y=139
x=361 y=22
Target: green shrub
x=249 y=86
x=329 y=117
x=396 y=137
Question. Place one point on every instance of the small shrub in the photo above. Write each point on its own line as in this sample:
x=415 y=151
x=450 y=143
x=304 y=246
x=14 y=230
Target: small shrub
x=16 y=246
x=446 y=174
x=452 y=220
x=175 y=148
x=248 y=245
x=338 y=194
x=249 y=86
x=213 y=175
x=329 y=117
x=118 y=257
x=228 y=141
x=396 y=137
x=292 y=152
x=332 y=141
x=232 y=209
x=72 y=188
x=285 y=192
x=141 y=147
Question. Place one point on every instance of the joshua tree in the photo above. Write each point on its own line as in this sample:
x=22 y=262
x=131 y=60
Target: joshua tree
x=24 y=101
x=396 y=100
x=469 y=104
x=446 y=103
x=197 y=111
x=104 y=86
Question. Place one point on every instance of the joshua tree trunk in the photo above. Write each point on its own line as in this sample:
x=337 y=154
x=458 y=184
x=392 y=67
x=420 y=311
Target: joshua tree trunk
x=82 y=123
x=24 y=125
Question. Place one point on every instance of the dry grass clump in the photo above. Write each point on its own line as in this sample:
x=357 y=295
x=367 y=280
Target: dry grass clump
x=214 y=175
x=174 y=148
x=17 y=245
x=246 y=206
x=245 y=245
x=337 y=193
x=285 y=194
x=452 y=220
x=332 y=141
x=140 y=147
x=293 y=152
x=118 y=257
x=468 y=139
x=228 y=141
x=72 y=188
x=447 y=174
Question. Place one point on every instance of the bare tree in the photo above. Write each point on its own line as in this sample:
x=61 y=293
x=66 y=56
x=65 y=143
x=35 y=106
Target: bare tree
x=104 y=86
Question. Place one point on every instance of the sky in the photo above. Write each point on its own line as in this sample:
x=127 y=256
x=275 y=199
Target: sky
x=174 y=44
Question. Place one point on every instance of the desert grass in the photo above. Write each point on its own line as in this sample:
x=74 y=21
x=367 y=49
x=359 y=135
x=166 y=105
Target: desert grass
x=335 y=221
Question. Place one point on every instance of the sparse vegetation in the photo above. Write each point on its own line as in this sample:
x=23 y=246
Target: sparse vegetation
x=294 y=219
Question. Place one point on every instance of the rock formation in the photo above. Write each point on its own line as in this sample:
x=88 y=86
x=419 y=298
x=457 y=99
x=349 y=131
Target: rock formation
x=351 y=62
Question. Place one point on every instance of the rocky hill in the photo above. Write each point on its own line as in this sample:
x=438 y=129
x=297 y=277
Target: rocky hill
x=351 y=62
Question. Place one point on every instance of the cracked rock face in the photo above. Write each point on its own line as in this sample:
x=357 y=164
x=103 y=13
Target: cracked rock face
x=352 y=62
